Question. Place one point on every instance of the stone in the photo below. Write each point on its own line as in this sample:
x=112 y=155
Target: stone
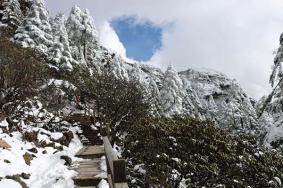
x=27 y=157
x=68 y=160
x=25 y=175
x=33 y=150
x=7 y=161
x=4 y=144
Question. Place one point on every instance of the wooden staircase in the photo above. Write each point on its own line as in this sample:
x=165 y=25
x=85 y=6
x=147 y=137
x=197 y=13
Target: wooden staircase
x=89 y=170
x=97 y=150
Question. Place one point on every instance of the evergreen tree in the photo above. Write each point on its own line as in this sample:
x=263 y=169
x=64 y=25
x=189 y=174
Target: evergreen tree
x=82 y=35
x=277 y=73
x=171 y=92
x=60 y=50
x=11 y=13
x=35 y=31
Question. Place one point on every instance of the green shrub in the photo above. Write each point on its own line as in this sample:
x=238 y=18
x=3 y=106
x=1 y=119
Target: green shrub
x=195 y=153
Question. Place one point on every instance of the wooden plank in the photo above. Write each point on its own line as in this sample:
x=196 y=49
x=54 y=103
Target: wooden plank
x=110 y=181
x=121 y=185
x=116 y=185
x=117 y=166
x=110 y=153
x=92 y=161
x=90 y=164
x=89 y=175
x=88 y=178
x=89 y=169
x=87 y=182
x=90 y=152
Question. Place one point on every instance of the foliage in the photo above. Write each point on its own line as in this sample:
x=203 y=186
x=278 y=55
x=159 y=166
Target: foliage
x=183 y=152
x=21 y=72
x=115 y=102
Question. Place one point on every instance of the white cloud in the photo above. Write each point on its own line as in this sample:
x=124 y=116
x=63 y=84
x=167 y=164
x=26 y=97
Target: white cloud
x=110 y=40
x=236 y=37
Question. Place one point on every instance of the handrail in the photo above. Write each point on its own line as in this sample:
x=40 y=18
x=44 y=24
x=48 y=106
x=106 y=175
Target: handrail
x=116 y=168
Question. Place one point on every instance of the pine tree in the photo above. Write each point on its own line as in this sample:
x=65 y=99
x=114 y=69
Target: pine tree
x=35 y=31
x=82 y=35
x=90 y=37
x=60 y=50
x=10 y=13
x=277 y=73
x=171 y=93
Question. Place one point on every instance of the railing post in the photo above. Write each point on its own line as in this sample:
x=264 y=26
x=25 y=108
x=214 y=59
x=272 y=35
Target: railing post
x=116 y=168
x=103 y=131
x=119 y=168
x=107 y=165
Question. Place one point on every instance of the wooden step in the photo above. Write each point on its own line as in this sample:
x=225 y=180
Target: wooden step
x=89 y=173
x=91 y=152
x=85 y=180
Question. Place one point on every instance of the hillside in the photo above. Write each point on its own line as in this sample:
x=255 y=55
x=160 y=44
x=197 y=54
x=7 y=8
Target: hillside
x=175 y=129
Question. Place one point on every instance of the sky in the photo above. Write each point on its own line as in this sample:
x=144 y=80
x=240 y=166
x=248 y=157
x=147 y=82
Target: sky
x=141 y=40
x=235 y=37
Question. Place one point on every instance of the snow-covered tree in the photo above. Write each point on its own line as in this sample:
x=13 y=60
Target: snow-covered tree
x=35 y=31
x=171 y=92
x=11 y=13
x=277 y=73
x=60 y=50
x=82 y=35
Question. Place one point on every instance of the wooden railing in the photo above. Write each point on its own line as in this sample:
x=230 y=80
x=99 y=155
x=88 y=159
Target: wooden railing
x=116 y=168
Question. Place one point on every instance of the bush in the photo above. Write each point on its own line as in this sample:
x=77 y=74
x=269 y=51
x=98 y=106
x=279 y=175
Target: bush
x=21 y=73
x=116 y=102
x=183 y=151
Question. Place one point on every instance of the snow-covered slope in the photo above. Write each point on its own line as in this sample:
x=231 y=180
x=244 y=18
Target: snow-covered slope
x=220 y=99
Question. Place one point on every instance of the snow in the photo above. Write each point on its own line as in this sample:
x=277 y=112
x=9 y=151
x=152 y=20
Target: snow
x=103 y=184
x=278 y=181
x=56 y=136
x=140 y=169
x=6 y=183
x=47 y=170
x=4 y=123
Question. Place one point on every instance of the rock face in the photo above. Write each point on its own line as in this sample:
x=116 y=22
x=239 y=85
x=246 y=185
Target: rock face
x=212 y=95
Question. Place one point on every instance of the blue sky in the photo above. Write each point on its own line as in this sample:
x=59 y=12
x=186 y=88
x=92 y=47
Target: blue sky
x=141 y=39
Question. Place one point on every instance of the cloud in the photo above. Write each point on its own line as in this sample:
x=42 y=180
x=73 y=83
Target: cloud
x=236 y=37
x=110 y=40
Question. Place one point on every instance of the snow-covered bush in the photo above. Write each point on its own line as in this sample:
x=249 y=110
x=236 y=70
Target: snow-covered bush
x=21 y=73
x=183 y=152
x=115 y=102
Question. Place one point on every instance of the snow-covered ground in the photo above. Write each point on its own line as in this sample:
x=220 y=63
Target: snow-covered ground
x=46 y=169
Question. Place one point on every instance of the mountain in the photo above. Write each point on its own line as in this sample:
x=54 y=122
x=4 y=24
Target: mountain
x=53 y=68
x=207 y=95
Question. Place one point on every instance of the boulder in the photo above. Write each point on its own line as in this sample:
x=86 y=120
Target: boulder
x=4 y=144
x=27 y=157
